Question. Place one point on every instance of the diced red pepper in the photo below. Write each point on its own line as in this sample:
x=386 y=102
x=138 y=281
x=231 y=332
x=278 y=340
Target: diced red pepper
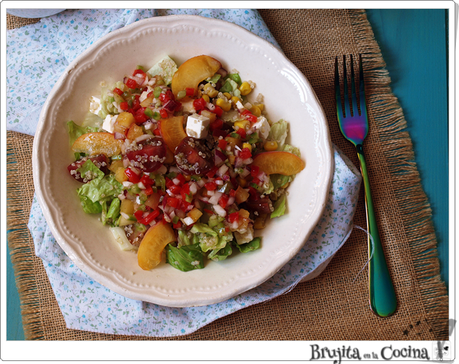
x=245 y=153
x=222 y=143
x=241 y=132
x=199 y=104
x=148 y=190
x=181 y=178
x=254 y=170
x=146 y=180
x=175 y=189
x=150 y=217
x=212 y=172
x=185 y=188
x=138 y=215
x=232 y=193
x=131 y=83
x=139 y=72
x=218 y=111
x=164 y=98
x=172 y=201
x=249 y=116
x=140 y=116
x=116 y=90
x=189 y=91
x=163 y=114
x=217 y=124
x=169 y=182
x=233 y=217
x=132 y=176
x=183 y=205
x=124 y=106
x=223 y=200
x=210 y=186
x=178 y=225
x=157 y=132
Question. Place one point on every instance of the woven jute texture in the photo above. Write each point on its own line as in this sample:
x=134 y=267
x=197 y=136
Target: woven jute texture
x=332 y=306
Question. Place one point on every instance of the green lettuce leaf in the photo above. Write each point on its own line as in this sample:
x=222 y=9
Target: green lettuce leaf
x=250 y=246
x=75 y=131
x=223 y=248
x=279 y=180
x=185 y=258
x=165 y=68
x=111 y=217
x=221 y=254
x=90 y=207
x=291 y=149
x=183 y=238
x=278 y=132
x=279 y=206
x=101 y=189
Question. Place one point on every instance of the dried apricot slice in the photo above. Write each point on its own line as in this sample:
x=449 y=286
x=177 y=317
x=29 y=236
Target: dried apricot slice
x=284 y=163
x=153 y=243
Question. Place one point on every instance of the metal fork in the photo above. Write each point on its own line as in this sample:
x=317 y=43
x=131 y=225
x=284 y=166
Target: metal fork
x=353 y=123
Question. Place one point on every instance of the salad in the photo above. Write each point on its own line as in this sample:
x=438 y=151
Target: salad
x=182 y=160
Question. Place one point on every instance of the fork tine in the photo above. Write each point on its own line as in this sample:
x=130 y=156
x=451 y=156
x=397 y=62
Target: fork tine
x=347 y=107
x=339 y=106
x=355 y=110
x=363 y=105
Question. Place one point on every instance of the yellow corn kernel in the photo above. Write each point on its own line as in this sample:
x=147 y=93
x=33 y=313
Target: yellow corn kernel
x=261 y=106
x=206 y=98
x=255 y=110
x=245 y=88
x=270 y=145
x=247 y=145
x=210 y=90
x=244 y=124
x=235 y=99
x=225 y=105
x=227 y=95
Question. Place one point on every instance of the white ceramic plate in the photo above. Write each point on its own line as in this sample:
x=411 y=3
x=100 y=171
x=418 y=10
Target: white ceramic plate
x=287 y=95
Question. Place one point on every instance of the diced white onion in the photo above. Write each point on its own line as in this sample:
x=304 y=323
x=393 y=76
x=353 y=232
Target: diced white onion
x=193 y=188
x=127 y=184
x=143 y=137
x=222 y=170
x=141 y=185
x=188 y=220
x=220 y=210
x=215 y=198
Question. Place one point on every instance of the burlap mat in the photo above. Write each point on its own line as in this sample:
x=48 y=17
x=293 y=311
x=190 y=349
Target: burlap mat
x=329 y=307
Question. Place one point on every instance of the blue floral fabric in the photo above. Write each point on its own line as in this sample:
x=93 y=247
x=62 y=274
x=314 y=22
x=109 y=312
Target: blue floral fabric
x=36 y=57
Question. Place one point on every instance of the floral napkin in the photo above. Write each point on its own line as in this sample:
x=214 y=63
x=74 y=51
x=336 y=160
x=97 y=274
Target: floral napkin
x=36 y=56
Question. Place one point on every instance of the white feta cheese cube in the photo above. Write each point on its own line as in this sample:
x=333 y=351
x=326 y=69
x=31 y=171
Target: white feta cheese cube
x=197 y=126
x=262 y=127
x=94 y=105
x=109 y=123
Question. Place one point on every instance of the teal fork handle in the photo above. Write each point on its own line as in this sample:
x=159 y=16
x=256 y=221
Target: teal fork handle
x=383 y=301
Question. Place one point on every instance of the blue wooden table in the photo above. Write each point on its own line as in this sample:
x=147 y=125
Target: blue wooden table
x=414 y=46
